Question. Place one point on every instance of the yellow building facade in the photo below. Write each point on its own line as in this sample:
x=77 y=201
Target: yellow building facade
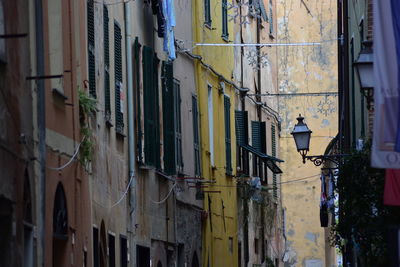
x=307 y=80
x=215 y=95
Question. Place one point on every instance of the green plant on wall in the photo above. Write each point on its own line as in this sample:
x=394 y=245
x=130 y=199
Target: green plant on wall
x=87 y=107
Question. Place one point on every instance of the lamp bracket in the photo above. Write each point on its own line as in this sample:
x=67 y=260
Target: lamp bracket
x=318 y=160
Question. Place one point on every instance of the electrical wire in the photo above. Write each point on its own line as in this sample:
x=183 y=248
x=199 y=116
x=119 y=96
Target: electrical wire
x=169 y=193
x=112 y=3
x=70 y=161
x=124 y=194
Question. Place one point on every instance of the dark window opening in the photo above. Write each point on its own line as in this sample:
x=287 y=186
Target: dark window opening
x=111 y=250
x=96 y=262
x=91 y=48
x=123 y=243
x=142 y=256
x=207 y=13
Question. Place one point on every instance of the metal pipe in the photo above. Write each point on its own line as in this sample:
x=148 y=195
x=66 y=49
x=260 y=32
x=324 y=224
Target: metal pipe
x=41 y=123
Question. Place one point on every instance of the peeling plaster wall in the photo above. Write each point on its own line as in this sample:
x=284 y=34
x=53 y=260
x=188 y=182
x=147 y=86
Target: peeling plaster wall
x=306 y=69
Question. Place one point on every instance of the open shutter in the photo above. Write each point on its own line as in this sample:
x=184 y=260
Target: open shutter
x=178 y=126
x=228 y=152
x=241 y=121
x=168 y=118
x=138 y=99
x=91 y=48
x=107 y=101
x=196 y=136
x=119 y=107
x=149 y=102
x=274 y=178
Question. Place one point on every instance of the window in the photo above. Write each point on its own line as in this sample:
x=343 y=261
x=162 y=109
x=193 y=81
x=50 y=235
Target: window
x=271 y=18
x=274 y=177
x=123 y=243
x=211 y=125
x=230 y=245
x=119 y=91
x=151 y=119
x=107 y=101
x=241 y=126
x=255 y=245
x=258 y=134
x=228 y=153
x=3 y=54
x=95 y=244
x=225 y=33
x=207 y=12
x=91 y=47
x=142 y=256
x=111 y=250
x=196 y=136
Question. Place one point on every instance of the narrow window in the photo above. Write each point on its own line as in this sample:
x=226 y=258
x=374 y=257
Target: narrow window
x=225 y=32
x=207 y=12
x=255 y=245
x=123 y=243
x=91 y=47
x=230 y=245
x=211 y=125
x=95 y=244
x=119 y=92
x=111 y=250
x=107 y=101
x=228 y=153
x=196 y=136
x=274 y=176
x=271 y=18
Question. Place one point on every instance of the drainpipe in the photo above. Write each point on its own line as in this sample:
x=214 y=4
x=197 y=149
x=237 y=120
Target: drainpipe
x=131 y=133
x=41 y=123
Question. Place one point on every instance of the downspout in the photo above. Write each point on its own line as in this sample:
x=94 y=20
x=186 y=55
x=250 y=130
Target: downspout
x=131 y=133
x=41 y=122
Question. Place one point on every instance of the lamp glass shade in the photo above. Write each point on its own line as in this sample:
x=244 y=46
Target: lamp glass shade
x=365 y=70
x=302 y=135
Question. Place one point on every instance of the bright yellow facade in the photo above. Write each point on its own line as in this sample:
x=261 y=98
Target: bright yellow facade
x=213 y=73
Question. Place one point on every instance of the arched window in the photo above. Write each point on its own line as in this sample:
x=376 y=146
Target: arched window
x=60 y=214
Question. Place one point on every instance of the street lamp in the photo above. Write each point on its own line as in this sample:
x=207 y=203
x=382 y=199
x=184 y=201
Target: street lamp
x=302 y=135
x=365 y=71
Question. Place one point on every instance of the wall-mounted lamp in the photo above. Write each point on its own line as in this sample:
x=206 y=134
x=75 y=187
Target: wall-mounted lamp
x=302 y=135
x=365 y=71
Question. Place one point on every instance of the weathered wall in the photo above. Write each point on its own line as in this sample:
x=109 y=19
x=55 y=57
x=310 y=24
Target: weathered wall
x=306 y=69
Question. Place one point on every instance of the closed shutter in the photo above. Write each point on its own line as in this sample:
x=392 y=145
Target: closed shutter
x=274 y=177
x=271 y=18
x=138 y=99
x=168 y=118
x=225 y=32
x=256 y=135
x=119 y=117
x=107 y=101
x=241 y=126
x=207 y=12
x=196 y=136
x=151 y=116
x=91 y=48
x=228 y=152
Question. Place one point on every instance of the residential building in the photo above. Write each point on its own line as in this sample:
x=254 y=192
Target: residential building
x=257 y=123
x=307 y=84
x=216 y=100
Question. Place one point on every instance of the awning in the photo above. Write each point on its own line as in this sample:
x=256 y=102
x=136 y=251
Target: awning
x=269 y=160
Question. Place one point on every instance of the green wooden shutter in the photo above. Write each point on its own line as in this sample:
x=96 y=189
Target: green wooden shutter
x=256 y=135
x=138 y=99
x=156 y=140
x=91 y=48
x=225 y=32
x=228 y=149
x=196 y=137
x=271 y=18
x=178 y=125
x=119 y=115
x=207 y=12
x=241 y=126
x=107 y=101
x=149 y=101
x=274 y=178
x=168 y=118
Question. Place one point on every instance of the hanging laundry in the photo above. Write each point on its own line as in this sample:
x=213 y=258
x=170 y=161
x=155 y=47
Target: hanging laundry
x=169 y=38
x=160 y=18
x=391 y=196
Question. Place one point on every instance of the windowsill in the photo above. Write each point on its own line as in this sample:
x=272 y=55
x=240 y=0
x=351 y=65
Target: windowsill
x=271 y=35
x=225 y=38
x=208 y=25
x=109 y=123
x=120 y=134
x=59 y=94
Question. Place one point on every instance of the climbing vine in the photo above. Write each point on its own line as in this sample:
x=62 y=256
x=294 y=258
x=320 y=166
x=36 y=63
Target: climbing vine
x=87 y=106
x=363 y=219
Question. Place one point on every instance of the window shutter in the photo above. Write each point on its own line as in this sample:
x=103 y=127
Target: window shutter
x=228 y=152
x=271 y=18
x=225 y=18
x=241 y=121
x=207 y=12
x=178 y=126
x=274 y=177
x=138 y=102
x=107 y=101
x=196 y=136
x=168 y=118
x=156 y=140
x=256 y=135
x=91 y=48
x=119 y=117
